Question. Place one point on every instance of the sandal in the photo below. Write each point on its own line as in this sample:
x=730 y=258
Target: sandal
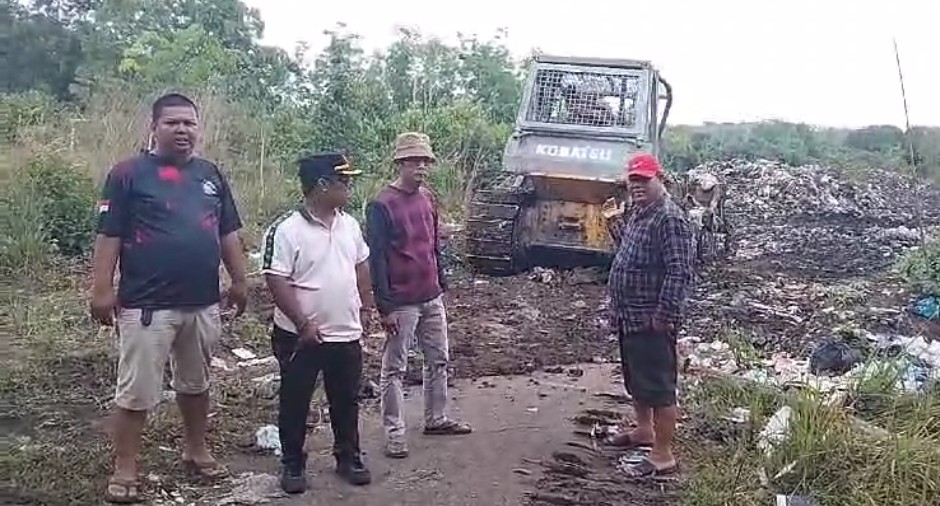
x=122 y=491
x=625 y=441
x=449 y=428
x=647 y=469
x=210 y=470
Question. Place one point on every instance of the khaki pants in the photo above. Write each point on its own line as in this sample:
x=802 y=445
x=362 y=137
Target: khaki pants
x=149 y=337
x=426 y=325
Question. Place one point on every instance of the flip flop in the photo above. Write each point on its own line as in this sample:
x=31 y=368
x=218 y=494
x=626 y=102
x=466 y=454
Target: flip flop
x=647 y=469
x=122 y=491
x=625 y=441
x=211 y=471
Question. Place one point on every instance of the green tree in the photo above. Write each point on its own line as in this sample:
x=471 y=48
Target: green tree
x=38 y=52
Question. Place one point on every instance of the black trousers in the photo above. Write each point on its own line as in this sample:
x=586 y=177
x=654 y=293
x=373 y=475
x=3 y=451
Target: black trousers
x=341 y=364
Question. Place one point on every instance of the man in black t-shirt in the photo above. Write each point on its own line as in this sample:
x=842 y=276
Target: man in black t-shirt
x=169 y=217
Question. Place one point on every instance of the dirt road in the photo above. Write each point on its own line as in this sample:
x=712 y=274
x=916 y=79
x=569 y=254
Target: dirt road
x=518 y=421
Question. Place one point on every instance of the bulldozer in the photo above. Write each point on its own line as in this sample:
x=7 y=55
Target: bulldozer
x=559 y=198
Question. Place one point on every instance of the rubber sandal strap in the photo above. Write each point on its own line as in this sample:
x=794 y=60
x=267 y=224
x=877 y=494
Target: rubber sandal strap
x=641 y=469
x=122 y=491
x=646 y=469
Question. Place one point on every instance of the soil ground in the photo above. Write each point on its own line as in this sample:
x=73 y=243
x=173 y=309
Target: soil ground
x=525 y=329
x=519 y=422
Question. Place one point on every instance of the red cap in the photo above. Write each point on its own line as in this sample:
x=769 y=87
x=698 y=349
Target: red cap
x=644 y=165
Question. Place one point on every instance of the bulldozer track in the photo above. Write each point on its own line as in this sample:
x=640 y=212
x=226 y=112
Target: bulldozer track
x=491 y=228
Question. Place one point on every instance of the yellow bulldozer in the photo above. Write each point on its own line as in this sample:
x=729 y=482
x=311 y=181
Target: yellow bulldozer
x=559 y=199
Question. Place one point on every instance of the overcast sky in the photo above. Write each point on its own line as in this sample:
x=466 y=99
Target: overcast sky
x=827 y=62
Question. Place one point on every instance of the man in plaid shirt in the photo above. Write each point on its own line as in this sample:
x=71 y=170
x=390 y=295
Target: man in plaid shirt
x=650 y=281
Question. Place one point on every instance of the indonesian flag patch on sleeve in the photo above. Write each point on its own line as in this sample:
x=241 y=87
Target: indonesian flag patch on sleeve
x=104 y=206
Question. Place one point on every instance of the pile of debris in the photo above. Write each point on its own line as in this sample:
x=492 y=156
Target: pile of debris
x=814 y=245
x=912 y=363
x=819 y=221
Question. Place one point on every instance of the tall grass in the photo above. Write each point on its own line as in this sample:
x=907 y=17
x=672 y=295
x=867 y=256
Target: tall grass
x=829 y=454
x=921 y=267
x=78 y=144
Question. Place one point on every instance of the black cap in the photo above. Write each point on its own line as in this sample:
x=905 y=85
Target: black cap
x=327 y=164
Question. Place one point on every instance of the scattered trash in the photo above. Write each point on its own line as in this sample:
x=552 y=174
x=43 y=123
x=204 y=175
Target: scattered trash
x=834 y=357
x=795 y=500
x=268 y=438
x=833 y=365
x=244 y=353
x=218 y=363
x=787 y=469
x=739 y=415
x=632 y=458
x=928 y=307
x=251 y=488
x=258 y=361
x=542 y=275
x=714 y=356
x=267 y=378
x=833 y=224
x=776 y=430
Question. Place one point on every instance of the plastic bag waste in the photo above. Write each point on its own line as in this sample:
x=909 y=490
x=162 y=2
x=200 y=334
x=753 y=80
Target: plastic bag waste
x=776 y=431
x=795 y=500
x=268 y=438
x=834 y=357
x=928 y=307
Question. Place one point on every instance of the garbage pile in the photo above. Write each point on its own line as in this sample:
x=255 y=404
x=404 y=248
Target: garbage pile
x=820 y=222
x=913 y=363
x=813 y=247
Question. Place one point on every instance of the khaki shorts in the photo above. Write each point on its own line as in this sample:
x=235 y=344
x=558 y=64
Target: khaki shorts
x=186 y=336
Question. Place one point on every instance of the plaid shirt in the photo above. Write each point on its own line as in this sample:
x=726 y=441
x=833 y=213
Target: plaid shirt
x=652 y=273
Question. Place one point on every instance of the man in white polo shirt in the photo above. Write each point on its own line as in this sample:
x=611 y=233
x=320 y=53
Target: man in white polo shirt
x=315 y=263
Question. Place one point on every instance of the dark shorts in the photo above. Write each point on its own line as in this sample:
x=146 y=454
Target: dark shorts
x=649 y=366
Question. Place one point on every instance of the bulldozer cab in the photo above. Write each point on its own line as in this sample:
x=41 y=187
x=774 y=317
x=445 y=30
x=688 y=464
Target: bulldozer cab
x=583 y=117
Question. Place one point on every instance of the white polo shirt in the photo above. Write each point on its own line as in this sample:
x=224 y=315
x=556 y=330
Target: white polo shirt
x=320 y=263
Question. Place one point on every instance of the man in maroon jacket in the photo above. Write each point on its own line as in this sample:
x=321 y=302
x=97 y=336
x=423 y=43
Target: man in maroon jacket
x=408 y=282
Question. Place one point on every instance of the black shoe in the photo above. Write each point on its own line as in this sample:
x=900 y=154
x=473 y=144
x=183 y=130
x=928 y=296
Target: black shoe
x=353 y=471
x=294 y=479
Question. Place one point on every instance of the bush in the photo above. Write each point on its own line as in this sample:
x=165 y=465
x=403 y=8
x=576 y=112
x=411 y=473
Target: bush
x=921 y=268
x=66 y=198
x=23 y=242
x=24 y=110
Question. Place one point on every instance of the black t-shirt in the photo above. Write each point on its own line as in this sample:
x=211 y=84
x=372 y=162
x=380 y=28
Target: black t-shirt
x=170 y=220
